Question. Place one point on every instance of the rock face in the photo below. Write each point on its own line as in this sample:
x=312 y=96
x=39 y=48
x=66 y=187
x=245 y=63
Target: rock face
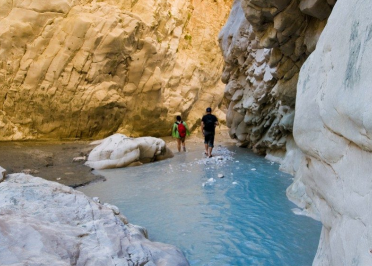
x=264 y=44
x=333 y=129
x=2 y=173
x=88 y=69
x=119 y=151
x=45 y=223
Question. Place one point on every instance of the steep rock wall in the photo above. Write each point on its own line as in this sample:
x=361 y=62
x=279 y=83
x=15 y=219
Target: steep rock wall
x=333 y=129
x=87 y=69
x=330 y=151
x=264 y=44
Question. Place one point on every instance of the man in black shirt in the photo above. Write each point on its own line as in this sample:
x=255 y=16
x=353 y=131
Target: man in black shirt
x=208 y=125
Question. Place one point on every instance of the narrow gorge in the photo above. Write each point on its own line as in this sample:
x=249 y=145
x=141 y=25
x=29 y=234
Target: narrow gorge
x=289 y=78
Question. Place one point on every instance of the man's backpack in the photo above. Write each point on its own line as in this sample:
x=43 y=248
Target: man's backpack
x=181 y=129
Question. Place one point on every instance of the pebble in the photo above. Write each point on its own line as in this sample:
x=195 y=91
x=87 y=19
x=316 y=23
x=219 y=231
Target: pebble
x=220 y=175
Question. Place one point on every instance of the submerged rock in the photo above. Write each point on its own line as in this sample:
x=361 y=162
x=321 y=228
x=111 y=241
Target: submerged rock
x=119 y=151
x=46 y=223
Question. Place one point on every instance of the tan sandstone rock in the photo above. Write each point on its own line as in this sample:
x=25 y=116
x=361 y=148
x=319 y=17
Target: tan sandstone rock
x=87 y=69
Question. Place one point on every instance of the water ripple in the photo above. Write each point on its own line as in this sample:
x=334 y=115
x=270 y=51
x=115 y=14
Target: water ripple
x=241 y=219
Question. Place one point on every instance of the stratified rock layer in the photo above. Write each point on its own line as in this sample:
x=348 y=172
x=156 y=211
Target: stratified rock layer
x=45 y=223
x=333 y=129
x=88 y=69
x=264 y=44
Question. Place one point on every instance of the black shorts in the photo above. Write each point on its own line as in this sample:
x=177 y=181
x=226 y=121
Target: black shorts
x=209 y=138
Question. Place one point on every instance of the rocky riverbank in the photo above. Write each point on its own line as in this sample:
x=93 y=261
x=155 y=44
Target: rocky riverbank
x=46 y=223
x=50 y=160
x=53 y=160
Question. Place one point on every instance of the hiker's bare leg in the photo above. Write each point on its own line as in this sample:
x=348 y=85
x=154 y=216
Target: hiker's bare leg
x=210 y=151
x=184 y=145
x=206 y=149
x=179 y=145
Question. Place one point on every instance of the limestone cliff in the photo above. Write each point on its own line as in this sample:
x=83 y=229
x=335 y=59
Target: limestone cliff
x=87 y=69
x=276 y=67
x=264 y=44
x=333 y=129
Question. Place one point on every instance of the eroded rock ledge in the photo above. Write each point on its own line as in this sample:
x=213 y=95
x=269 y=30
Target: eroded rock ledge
x=45 y=223
x=264 y=44
x=88 y=69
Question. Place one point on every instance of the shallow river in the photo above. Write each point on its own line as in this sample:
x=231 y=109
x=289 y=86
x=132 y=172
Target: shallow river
x=241 y=219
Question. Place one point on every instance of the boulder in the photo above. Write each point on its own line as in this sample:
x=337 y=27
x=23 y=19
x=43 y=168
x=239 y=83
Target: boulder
x=119 y=150
x=46 y=223
x=2 y=174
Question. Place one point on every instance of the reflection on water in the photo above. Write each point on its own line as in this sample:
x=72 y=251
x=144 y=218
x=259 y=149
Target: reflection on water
x=241 y=219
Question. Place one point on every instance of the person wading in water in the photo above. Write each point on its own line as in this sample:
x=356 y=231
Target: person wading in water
x=208 y=125
x=179 y=131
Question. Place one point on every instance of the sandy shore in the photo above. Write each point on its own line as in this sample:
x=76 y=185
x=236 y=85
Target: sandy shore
x=53 y=160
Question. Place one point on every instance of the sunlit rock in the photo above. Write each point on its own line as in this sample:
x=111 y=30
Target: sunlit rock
x=46 y=223
x=119 y=151
x=333 y=129
x=89 y=69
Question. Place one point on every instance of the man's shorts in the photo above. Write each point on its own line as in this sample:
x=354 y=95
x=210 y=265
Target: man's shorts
x=209 y=138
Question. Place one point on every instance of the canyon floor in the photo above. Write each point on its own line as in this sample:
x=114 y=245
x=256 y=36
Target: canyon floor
x=53 y=160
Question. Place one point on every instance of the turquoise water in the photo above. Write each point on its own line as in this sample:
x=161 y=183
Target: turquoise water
x=241 y=219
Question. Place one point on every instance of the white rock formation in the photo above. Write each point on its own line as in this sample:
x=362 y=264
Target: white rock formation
x=2 y=173
x=119 y=151
x=46 y=223
x=264 y=44
x=333 y=129
x=88 y=69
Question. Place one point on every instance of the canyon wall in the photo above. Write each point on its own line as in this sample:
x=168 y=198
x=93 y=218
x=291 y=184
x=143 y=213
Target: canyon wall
x=333 y=129
x=264 y=44
x=87 y=69
x=299 y=83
